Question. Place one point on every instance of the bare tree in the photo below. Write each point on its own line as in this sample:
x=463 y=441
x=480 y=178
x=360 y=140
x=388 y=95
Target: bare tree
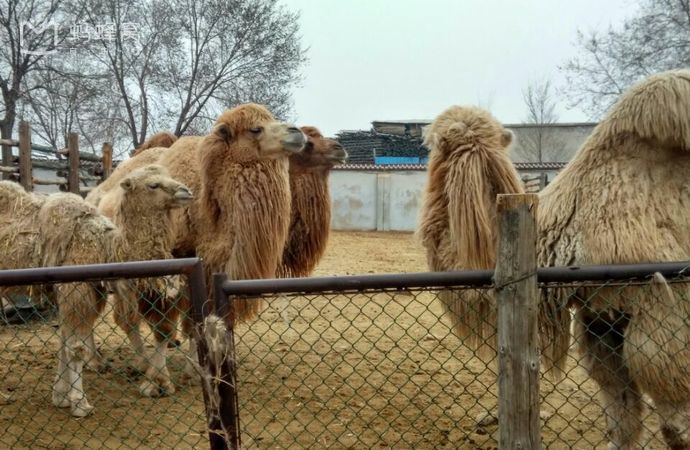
x=541 y=112
x=657 y=38
x=146 y=65
x=191 y=59
x=231 y=52
x=29 y=35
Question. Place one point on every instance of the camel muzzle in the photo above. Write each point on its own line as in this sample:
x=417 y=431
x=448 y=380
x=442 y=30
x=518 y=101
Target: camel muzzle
x=183 y=195
x=339 y=154
x=295 y=141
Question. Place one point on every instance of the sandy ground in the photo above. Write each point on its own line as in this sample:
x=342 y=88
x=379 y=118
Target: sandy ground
x=356 y=371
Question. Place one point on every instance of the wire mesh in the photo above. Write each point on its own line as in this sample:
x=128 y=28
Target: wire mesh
x=626 y=382
x=147 y=398
x=383 y=369
x=361 y=370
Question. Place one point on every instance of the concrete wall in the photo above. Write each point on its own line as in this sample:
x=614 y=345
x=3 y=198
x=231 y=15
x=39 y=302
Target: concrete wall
x=559 y=141
x=369 y=200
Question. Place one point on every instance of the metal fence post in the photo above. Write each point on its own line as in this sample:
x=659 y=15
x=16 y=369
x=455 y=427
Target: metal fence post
x=516 y=295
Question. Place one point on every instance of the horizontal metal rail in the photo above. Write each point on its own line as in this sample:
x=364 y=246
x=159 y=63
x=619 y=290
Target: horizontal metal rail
x=94 y=272
x=476 y=278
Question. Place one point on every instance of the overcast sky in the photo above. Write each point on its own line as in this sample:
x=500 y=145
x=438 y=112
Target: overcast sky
x=410 y=59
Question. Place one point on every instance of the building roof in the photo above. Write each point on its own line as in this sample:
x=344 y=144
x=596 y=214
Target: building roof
x=389 y=167
x=507 y=125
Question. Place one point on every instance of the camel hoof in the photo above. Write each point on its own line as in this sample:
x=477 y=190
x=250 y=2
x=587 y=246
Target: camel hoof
x=60 y=400
x=98 y=366
x=486 y=419
x=134 y=372
x=82 y=409
x=156 y=389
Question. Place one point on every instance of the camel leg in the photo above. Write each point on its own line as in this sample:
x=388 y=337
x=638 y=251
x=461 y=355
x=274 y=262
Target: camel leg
x=161 y=315
x=191 y=361
x=94 y=360
x=158 y=382
x=74 y=355
x=78 y=310
x=61 y=384
x=127 y=317
x=600 y=337
x=675 y=424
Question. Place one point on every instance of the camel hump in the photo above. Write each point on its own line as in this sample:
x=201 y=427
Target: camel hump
x=657 y=108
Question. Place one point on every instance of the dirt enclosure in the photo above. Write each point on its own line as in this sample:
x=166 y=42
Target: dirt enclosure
x=359 y=371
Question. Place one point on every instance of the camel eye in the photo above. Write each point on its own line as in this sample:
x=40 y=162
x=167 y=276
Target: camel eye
x=255 y=130
x=153 y=186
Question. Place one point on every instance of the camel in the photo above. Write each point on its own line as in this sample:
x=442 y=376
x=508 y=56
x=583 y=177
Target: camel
x=239 y=221
x=310 y=219
x=142 y=212
x=160 y=139
x=62 y=229
x=624 y=199
x=468 y=167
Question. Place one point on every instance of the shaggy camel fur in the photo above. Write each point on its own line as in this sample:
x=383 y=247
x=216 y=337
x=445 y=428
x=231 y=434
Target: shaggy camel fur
x=161 y=139
x=62 y=229
x=624 y=198
x=142 y=212
x=468 y=167
x=310 y=220
x=239 y=221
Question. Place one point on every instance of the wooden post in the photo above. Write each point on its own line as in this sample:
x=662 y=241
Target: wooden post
x=517 y=298
x=542 y=181
x=25 y=170
x=73 y=155
x=107 y=160
x=223 y=414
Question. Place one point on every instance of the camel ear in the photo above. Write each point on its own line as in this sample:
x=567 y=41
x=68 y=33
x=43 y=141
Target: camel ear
x=223 y=131
x=126 y=184
x=506 y=138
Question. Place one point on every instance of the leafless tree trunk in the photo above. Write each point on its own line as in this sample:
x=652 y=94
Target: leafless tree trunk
x=655 y=39
x=541 y=106
x=28 y=35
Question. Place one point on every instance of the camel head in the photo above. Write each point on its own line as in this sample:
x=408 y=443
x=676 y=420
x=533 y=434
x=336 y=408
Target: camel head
x=249 y=133
x=319 y=153
x=152 y=186
x=160 y=139
x=459 y=129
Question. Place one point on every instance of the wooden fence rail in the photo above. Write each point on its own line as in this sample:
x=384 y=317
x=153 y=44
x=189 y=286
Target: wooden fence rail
x=22 y=171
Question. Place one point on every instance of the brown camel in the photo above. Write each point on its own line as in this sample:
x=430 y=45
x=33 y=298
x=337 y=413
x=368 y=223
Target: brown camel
x=310 y=220
x=160 y=139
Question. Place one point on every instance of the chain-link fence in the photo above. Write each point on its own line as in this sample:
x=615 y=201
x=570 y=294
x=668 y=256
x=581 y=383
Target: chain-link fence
x=342 y=362
x=97 y=357
x=371 y=361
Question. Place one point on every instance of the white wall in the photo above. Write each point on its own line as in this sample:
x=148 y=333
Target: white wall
x=369 y=200
x=353 y=199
